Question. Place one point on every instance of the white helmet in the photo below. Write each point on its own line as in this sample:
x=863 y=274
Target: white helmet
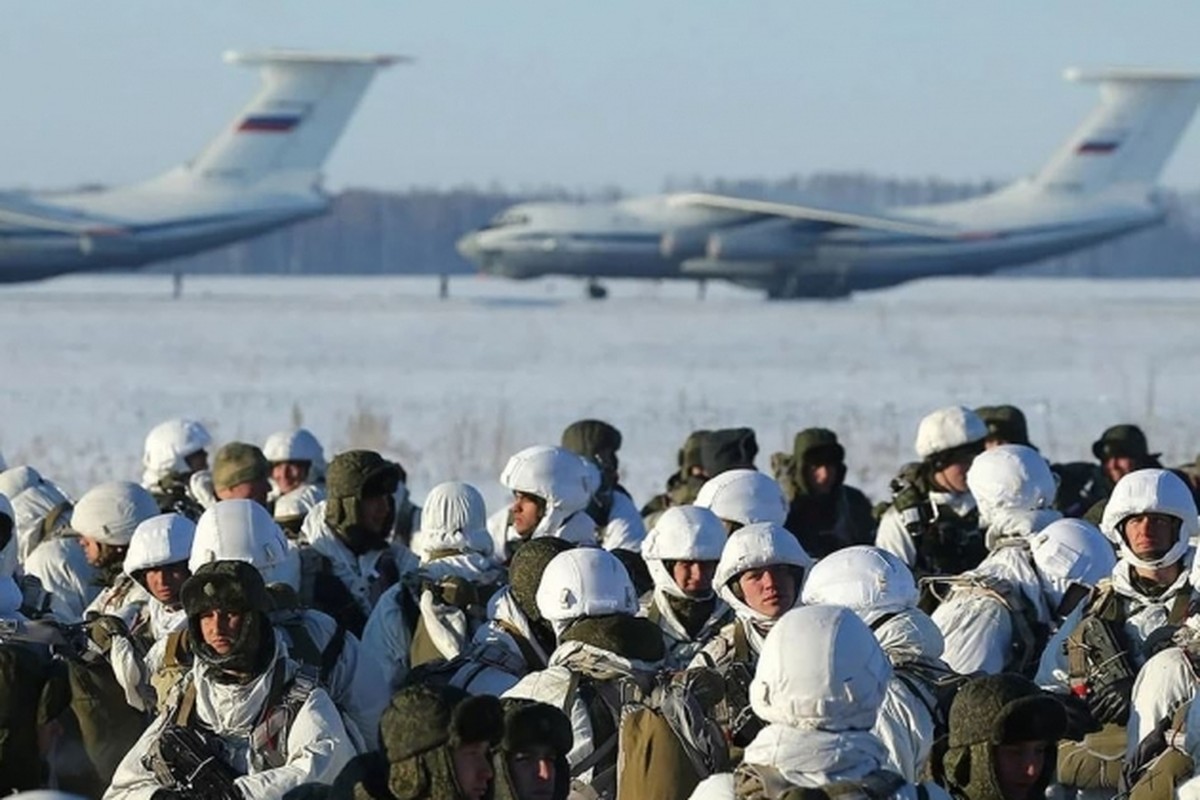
x=454 y=517
x=744 y=496
x=755 y=546
x=297 y=503
x=109 y=512
x=564 y=480
x=168 y=445
x=871 y=582
x=33 y=499
x=585 y=582
x=161 y=540
x=1070 y=551
x=1150 y=491
x=297 y=445
x=948 y=428
x=839 y=682
x=1011 y=476
x=242 y=530
x=682 y=533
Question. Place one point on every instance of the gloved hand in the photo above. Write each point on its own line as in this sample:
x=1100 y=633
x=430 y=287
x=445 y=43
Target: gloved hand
x=103 y=629
x=1079 y=717
x=1113 y=702
x=1158 y=640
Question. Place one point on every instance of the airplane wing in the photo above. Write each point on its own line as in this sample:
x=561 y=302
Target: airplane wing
x=847 y=219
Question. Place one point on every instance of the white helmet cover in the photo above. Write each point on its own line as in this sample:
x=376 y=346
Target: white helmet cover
x=744 y=496
x=682 y=533
x=168 y=445
x=948 y=428
x=158 y=541
x=871 y=582
x=110 y=512
x=242 y=530
x=8 y=556
x=838 y=684
x=32 y=498
x=1011 y=476
x=454 y=517
x=564 y=480
x=755 y=546
x=585 y=582
x=297 y=445
x=1070 y=551
x=1150 y=491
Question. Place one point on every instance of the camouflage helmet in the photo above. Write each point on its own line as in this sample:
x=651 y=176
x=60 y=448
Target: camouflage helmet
x=526 y=568
x=1006 y=423
x=419 y=730
x=237 y=463
x=728 y=448
x=353 y=476
x=591 y=437
x=1122 y=441
x=994 y=710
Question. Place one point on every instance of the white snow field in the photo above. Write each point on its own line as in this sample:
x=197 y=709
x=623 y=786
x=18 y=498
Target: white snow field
x=452 y=387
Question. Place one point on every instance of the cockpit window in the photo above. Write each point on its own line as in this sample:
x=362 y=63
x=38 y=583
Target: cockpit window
x=507 y=219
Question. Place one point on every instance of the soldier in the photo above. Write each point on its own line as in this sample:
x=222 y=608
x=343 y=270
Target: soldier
x=297 y=476
x=531 y=761
x=437 y=742
x=1003 y=735
x=1005 y=424
x=1101 y=646
x=876 y=586
x=174 y=451
x=824 y=513
x=727 y=448
x=819 y=711
x=248 y=721
x=43 y=510
x=682 y=551
x=587 y=597
x=618 y=524
x=240 y=472
x=931 y=523
x=353 y=535
x=551 y=489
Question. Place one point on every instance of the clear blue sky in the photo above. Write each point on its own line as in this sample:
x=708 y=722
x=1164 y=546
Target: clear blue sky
x=587 y=94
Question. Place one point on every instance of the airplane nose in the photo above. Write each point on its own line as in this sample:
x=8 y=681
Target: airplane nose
x=468 y=247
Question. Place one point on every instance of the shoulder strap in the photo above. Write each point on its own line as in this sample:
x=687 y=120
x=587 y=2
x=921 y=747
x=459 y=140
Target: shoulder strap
x=1181 y=605
x=186 y=705
x=177 y=652
x=532 y=659
x=877 y=785
x=759 y=782
x=312 y=564
x=741 y=643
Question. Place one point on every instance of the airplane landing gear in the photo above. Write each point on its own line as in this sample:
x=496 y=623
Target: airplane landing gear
x=595 y=290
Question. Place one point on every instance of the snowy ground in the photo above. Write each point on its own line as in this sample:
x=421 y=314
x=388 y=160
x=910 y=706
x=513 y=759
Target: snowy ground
x=452 y=388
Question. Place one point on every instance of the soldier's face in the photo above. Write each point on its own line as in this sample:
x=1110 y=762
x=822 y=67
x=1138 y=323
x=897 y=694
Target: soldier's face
x=769 y=590
x=220 y=630
x=165 y=582
x=289 y=475
x=197 y=460
x=694 y=577
x=473 y=769
x=91 y=549
x=1117 y=467
x=374 y=511
x=1151 y=535
x=526 y=513
x=821 y=477
x=1018 y=767
x=953 y=478
x=532 y=771
x=257 y=490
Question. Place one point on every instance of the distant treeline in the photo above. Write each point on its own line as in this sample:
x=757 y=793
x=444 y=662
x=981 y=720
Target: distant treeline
x=413 y=231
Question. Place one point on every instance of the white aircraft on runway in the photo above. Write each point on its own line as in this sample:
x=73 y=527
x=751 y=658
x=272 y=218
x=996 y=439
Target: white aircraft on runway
x=261 y=172
x=1097 y=186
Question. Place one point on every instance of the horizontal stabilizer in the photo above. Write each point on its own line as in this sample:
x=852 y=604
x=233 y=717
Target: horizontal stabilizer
x=294 y=121
x=1128 y=138
x=812 y=214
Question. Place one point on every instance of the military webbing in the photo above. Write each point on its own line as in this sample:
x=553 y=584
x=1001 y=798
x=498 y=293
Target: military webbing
x=1181 y=605
x=741 y=643
x=268 y=738
x=532 y=660
x=51 y=522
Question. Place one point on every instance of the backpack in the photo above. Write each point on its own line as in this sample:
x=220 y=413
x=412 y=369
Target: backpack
x=24 y=673
x=1029 y=634
x=1161 y=762
x=935 y=686
x=664 y=741
x=442 y=671
x=761 y=782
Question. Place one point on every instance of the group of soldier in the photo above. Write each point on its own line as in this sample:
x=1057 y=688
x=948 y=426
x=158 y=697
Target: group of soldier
x=264 y=624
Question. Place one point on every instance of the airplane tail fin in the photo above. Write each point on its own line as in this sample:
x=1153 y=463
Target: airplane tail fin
x=1129 y=137
x=288 y=128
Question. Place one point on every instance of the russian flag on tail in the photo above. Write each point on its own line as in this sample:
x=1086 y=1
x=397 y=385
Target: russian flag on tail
x=1097 y=147
x=269 y=123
